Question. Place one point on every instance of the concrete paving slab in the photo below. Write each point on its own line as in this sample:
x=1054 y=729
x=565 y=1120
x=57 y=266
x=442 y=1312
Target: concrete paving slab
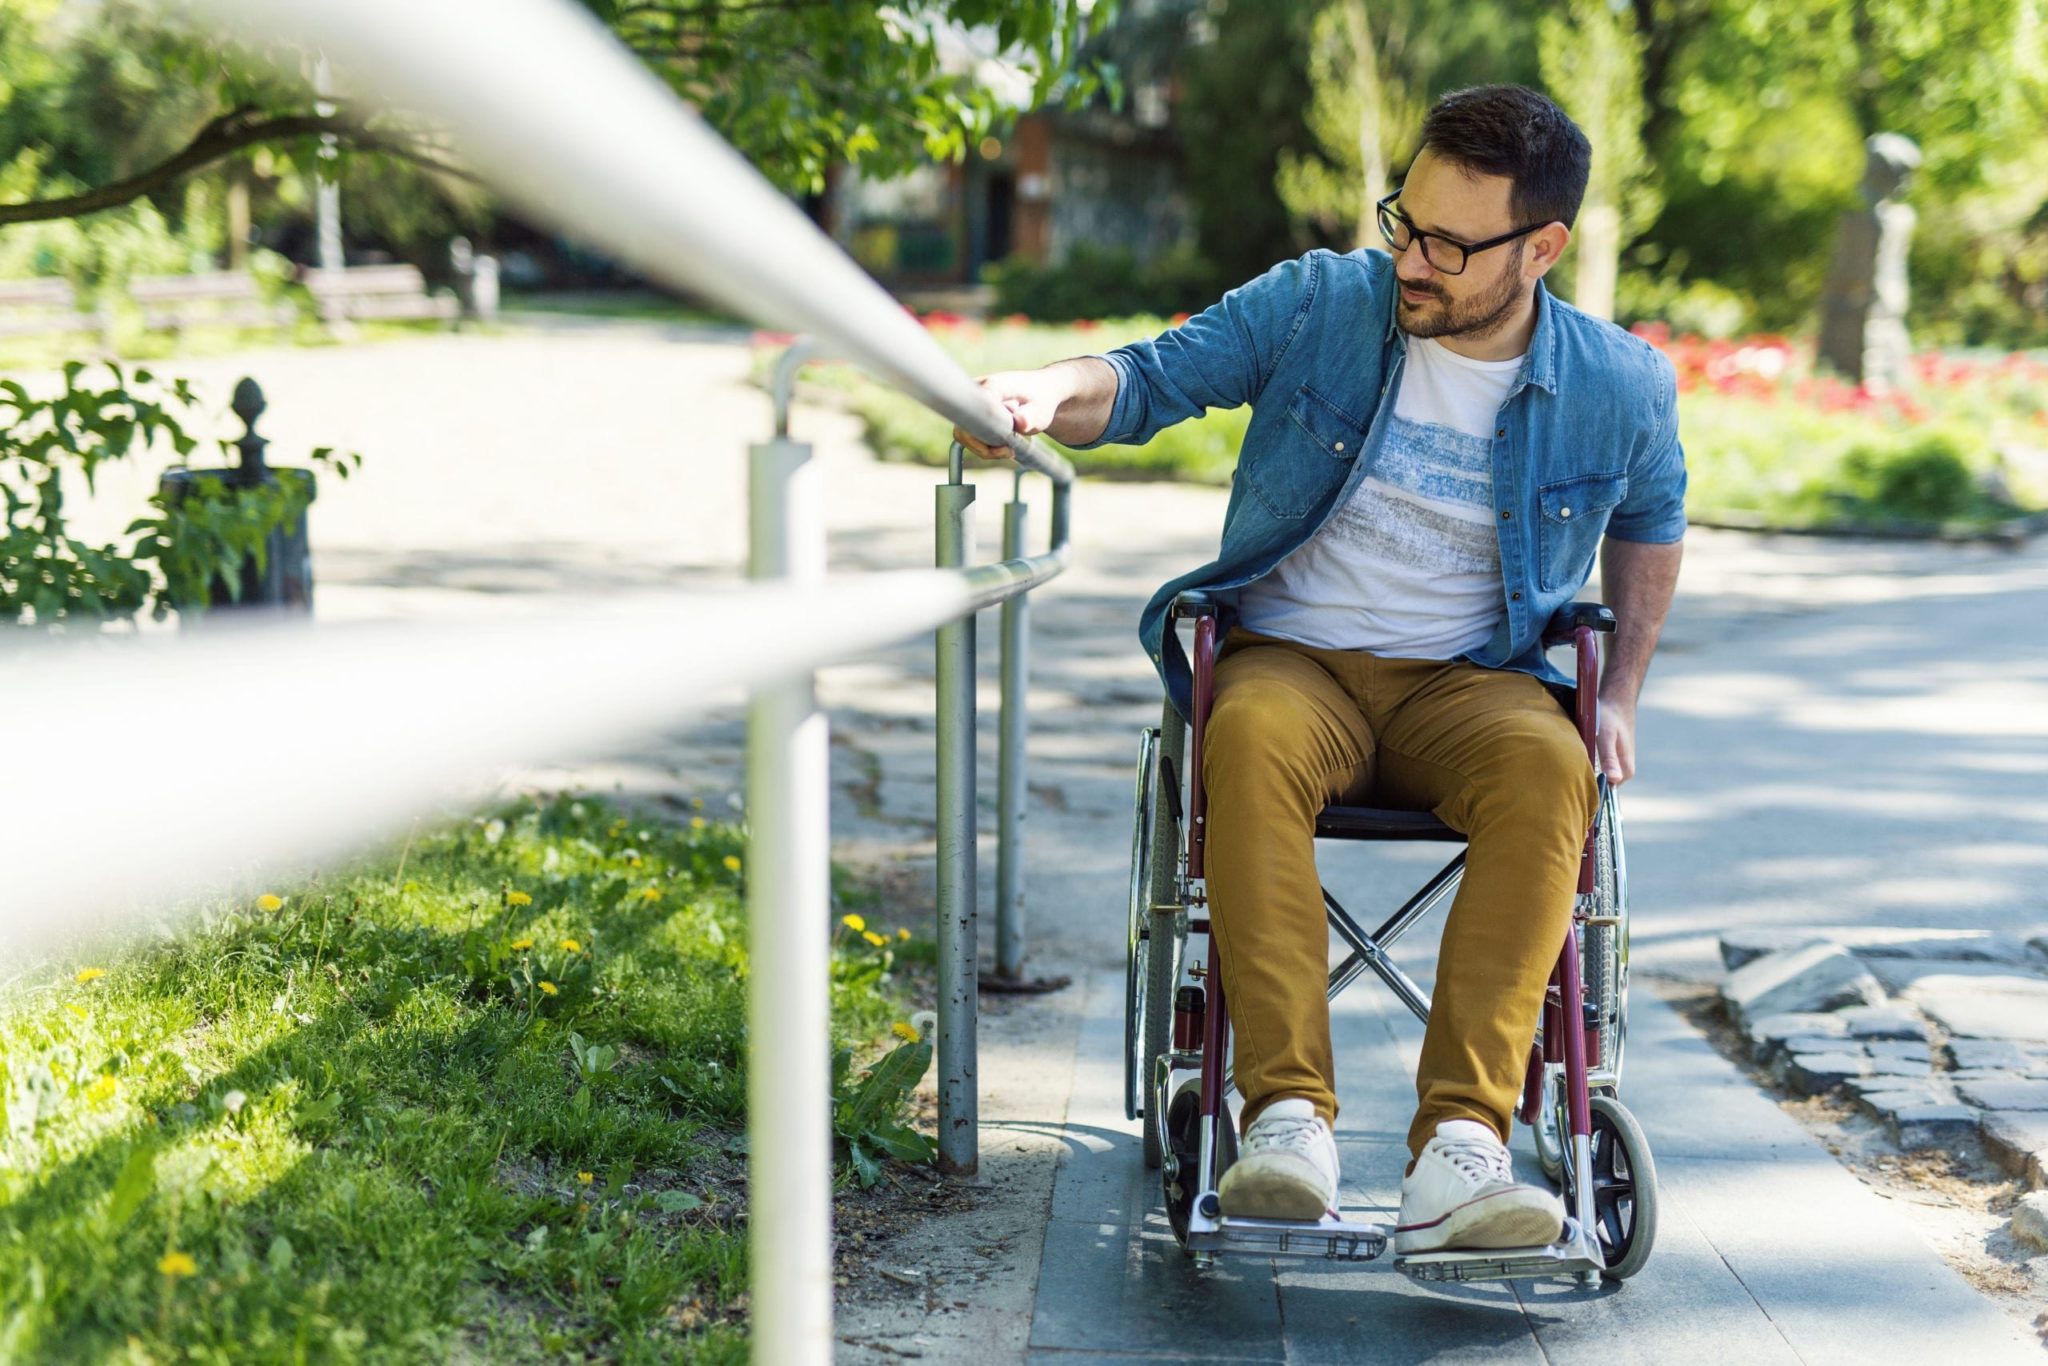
x=1631 y=1323
x=1841 y=1275
x=1771 y=1251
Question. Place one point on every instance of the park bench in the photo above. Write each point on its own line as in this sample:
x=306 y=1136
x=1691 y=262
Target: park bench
x=222 y=298
x=376 y=293
x=34 y=308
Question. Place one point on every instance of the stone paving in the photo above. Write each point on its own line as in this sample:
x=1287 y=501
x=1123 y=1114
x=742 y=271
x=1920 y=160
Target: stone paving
x=1939 y=1035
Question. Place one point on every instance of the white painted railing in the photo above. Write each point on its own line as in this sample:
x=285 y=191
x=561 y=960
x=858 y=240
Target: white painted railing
x=548 y=108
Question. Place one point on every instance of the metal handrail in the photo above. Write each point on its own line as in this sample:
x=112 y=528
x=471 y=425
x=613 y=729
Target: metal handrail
x=614 y=158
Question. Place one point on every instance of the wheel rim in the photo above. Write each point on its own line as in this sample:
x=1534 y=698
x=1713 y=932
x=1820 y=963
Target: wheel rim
x=1138 y=925
x=1614 y=1191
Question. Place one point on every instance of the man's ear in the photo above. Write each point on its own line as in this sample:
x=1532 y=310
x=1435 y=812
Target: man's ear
x=1546 y=244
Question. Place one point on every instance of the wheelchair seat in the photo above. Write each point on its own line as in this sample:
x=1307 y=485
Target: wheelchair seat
x=1371 y=823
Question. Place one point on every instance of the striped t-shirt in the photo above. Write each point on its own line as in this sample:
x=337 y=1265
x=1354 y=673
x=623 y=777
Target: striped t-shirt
x=1409 y=567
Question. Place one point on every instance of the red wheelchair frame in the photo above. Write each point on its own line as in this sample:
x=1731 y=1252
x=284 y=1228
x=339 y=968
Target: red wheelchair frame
x=1595 y=1146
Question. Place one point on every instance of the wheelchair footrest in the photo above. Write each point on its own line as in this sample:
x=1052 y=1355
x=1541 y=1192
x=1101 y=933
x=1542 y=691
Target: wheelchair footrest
x=1573 y=1254
x=1330 y=1237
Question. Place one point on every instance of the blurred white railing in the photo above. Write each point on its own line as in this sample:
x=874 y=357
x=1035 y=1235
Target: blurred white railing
x=365 y=727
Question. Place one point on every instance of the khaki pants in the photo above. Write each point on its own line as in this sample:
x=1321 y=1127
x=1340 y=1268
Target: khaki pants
x=1491 y=752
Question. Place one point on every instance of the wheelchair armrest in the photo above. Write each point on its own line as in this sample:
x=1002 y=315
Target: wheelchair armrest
x=1194 y=603
x=1571 y=616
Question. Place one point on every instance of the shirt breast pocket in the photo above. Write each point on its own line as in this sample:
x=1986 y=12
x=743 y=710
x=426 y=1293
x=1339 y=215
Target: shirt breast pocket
x=1293 y=475
x=1574 y=514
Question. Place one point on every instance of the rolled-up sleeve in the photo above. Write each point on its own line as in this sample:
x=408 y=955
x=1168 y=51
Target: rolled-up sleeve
x=1219 y=358
x=1654 y=510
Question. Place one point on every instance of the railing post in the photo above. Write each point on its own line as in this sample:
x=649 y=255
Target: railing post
x=1016 y=625
x=789 y=986
x=959 y=1141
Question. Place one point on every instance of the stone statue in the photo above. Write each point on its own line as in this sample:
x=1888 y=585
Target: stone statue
x=1863 y=312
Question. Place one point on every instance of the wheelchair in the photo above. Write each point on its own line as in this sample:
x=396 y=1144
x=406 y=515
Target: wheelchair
x=1177 y=1027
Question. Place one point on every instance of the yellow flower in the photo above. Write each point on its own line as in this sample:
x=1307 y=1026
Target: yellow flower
x=650 y=893
x=902 y=932
x=873 y=938
x=696 y=822
x=269 y=901
x=76 y=1009
x=903 y=1030
x=521 y=945
x=586 y=1177
x=89 y=974
x=177 y=1264
x=102 y=1089
x=696 y=803
x=518 y=899
x=633 y=862
x=853 y=922
x=549 y=989
x=732 y=863
x=570 y=946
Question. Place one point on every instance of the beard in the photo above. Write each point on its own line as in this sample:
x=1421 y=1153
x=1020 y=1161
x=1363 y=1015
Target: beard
x=1475 y=318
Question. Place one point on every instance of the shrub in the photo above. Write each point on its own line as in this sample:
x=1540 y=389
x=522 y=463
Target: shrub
x=1096 y=282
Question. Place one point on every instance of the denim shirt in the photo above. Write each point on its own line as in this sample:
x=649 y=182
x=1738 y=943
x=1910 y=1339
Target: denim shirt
x=1586 y=442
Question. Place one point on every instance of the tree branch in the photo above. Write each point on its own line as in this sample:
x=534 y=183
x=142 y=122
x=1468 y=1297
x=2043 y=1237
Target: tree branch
x=221 y=137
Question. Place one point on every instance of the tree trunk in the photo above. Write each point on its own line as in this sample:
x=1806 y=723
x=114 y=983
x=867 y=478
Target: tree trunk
x=1599 y=259
x=238 y=215
x=1372 y=159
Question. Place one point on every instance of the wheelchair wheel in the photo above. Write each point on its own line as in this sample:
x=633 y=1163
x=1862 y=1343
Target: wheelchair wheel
x=1184 y=1153
x=1152 y=964
x=1603 y=947
x=1624 y=1189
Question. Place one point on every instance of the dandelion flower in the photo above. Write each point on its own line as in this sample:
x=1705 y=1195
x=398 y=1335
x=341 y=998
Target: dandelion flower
x=696 y=822
x=521 y=945
x=570 y=946
x=732 y=863
x=853 y=922
x=873 y=938
x=549 y=989
x=89 y=974
x=102 y=1089
x=177 y=1264
x=633 y=862
x=650 y=893
x=76 y=1009
x=902 y=932
x=518 y=899
x=269 y=901
x=586 y=1177
x=904 y=1030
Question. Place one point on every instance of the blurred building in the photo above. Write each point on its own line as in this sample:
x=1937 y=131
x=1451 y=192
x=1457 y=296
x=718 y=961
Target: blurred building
x=1105 y=176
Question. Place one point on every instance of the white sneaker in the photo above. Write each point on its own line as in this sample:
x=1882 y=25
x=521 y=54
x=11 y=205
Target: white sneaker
x=1288 y=1169
x=1463 y=1194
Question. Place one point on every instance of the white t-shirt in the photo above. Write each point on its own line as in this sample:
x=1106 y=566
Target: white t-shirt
x=1409 y=567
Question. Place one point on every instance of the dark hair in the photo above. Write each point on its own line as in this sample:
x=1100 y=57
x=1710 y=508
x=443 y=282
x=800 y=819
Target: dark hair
x=1512 y=131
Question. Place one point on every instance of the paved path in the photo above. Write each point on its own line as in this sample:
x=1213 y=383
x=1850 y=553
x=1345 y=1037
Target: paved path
x=1834 y=733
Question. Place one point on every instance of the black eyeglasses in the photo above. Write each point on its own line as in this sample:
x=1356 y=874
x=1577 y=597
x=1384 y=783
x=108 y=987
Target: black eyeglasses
x=1446 y=255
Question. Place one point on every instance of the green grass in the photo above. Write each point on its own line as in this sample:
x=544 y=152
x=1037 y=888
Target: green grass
x=1775 y=464
x=480 y=1098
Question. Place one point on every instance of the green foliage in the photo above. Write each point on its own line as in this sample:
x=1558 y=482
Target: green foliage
x=867 y=1111
x=187 y=549
x=365 y=1143
x=1096 y=283
x=1203 y=451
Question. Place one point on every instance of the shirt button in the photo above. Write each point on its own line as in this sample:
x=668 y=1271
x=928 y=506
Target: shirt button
x=1514 y=597
x=1502 y=432
x=1340 y=445
x=1507 y=516
x=1564 y=512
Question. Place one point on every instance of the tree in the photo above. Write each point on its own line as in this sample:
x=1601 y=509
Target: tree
x=796 y=85
x=1591 y=56
x=1372 y=71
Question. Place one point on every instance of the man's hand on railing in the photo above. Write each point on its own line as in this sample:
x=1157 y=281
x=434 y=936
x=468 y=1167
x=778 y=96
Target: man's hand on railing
x=1068 y=401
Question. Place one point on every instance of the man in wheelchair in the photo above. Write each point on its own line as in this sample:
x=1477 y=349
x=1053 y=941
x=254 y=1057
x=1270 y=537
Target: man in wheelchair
x=1438 y=447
